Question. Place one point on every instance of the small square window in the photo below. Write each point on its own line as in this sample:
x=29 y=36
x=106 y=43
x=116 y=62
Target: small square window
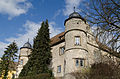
x=59 y=69
x=62 y=50
x=77 y=40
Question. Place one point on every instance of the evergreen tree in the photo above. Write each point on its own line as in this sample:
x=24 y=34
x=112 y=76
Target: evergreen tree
x=40 y=57
x=0 y=68
x=7 y=63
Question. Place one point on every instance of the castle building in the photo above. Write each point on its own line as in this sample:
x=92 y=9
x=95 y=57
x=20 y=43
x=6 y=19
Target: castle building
x=75 y=49
x=72 y=50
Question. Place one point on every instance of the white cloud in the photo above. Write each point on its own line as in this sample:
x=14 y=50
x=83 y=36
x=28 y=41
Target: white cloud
x=31 y=29
x=70 y=4
x=57 y=13
x=54 y=30
x=14 y=7
x=2 y=47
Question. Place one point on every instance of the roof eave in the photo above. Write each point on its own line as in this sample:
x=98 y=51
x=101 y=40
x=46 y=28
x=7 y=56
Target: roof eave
x=74 y=17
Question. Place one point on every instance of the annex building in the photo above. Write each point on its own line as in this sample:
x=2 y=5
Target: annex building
x=72 y=50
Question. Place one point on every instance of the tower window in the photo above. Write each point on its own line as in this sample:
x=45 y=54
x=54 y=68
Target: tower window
x=59 y=69
x=77 y=40
x=21 y=62
x=62 y=50
x=79 y=62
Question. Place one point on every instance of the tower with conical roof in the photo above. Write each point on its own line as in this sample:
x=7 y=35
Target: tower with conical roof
x=76 y=53
x=23 y=56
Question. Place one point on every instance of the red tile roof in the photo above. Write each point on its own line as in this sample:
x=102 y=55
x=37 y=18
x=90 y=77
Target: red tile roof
x=57 y=39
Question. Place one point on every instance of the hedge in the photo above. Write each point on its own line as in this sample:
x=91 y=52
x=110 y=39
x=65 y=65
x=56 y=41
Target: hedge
x=40 y=76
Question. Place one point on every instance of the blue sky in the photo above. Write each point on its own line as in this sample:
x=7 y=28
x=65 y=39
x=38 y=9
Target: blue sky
x=20 y=19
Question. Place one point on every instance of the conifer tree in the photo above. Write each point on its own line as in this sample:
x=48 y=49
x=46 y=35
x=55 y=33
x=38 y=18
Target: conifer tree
x=40 y=57
x=10 y=54
x=0 y=68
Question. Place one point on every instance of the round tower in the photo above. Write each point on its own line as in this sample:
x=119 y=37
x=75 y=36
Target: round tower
x=23 y=56
x=75 y=43
x=24 y=53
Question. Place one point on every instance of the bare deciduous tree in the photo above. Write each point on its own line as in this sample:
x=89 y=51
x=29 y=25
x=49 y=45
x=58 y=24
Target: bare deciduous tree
x=105 y=15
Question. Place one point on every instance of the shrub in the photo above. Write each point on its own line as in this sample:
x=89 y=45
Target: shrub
x=104 y=71
x=39 y=76
x=100 y=71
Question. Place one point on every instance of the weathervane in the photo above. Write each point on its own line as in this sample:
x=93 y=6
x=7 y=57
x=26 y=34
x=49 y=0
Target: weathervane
x=28 y=39
x=74 y=8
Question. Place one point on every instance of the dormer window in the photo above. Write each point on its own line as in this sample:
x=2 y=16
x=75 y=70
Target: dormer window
x=62 y=50
x=77 y=40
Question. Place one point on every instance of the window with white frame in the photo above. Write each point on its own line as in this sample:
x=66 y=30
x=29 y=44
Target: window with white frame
x=62 y=50
x=59 y=69
x=77 y=40
x=79 y=62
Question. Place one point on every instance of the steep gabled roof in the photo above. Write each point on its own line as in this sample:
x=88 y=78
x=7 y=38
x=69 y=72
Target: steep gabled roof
x=57 y=39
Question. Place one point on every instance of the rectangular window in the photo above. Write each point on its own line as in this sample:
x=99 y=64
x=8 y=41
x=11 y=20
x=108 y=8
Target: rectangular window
x=80 y=62
x=77 y=40
x=77 y=62
x=21 y=62
x=59 y=69
x=62 y=50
